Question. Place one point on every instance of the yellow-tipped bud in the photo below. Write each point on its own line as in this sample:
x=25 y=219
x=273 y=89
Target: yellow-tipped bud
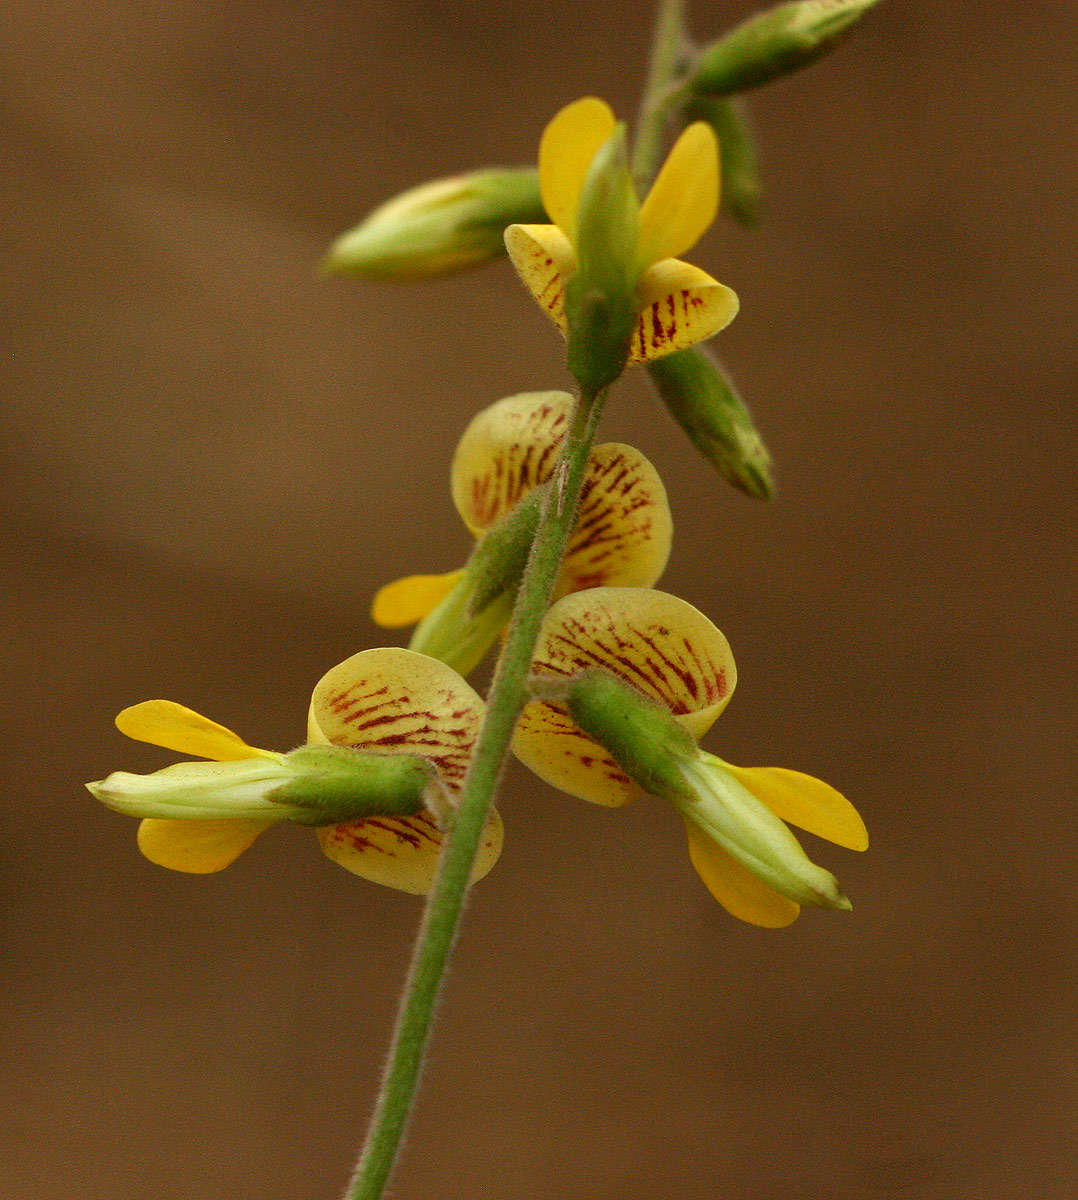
x=773 y=43
x=438 y=228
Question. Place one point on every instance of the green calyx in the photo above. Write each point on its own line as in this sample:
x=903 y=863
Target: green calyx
x=600 y=301
x=331 y=784
x=742 y=188
x=704 y=402
x=642 y=735
x=774 y=43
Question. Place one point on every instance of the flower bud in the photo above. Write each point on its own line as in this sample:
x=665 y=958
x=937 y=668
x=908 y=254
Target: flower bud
x=742 y=190
x=438 y=228
x=314 y=785
x=704 y=402
x=773 y=43
x=600 y=299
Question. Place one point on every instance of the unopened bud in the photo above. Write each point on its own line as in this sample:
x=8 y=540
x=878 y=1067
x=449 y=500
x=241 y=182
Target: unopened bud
x=440 y=227
x=773 y=43
x=600 y=300
x=702 y=399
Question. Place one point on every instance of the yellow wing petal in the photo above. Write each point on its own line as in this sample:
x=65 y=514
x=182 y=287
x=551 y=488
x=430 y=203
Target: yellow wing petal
x=680 y=305
x=623 y=529
x=507 y=450
x=660 y=644
x=566 y=149
x=165 y=723
x=394 y=701
x=197 y=847
x=544 y=260
x=684 y=198
x=806 y=802
x=735 y=887
x=407 y=600
x=401 y=852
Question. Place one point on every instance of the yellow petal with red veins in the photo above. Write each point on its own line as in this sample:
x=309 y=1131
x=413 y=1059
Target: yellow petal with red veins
x=171 y=725
x=683 y=199
x=680 y=305
x=623 y=527
x=508 y=449
x=394 y=701
x=401 y=852
x=806 y=802
x=544 y=260
x=197 y=847
x=658 y=643
x=568 y=145
x=407 y=600
x=735 y=887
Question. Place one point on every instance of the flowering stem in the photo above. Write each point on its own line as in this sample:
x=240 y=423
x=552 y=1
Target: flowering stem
x=442 y=917
x=668 y=57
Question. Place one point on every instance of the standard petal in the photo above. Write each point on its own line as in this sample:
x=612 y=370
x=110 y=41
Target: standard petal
x=394 y=701
x=806 y=802
x=623 y=528
x=507 y=450
x=658 y=643
x=401 y=852
x=171 y=725
x=680 y=305
x=684 y=198
x=407 y=600
x=568 y=145
x=197 y=847
x=735 y=887
x=544 y=260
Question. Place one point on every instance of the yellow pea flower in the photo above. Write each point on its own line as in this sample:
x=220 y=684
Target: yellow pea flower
x=622 y=533
x=384 y=701
x=678 y=304
x=672 y=654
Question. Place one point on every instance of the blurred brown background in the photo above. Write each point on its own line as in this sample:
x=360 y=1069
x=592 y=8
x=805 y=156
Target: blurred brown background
x=212 y=459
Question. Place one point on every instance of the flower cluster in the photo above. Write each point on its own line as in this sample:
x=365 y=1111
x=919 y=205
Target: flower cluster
x=624 y=679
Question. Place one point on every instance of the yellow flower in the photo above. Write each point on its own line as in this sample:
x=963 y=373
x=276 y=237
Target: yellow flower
x=384 y=701
x=622 y=532
x=671 y=653
x=678 y=304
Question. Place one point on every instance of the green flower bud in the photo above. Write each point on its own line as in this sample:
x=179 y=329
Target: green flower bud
x=704 y=402
x=314 y=785
x=600 y=300
x=773 y=43
x=742 y=190
x=438 y=228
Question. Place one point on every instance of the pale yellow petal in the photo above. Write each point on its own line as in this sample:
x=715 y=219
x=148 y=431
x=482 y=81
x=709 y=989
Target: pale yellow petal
x=508 y=449
x=407 y=600
x=658 y=643
x=568 y=145
x=623 y=528
x=544 y=260
x=197 y=847
x=683 y=199
x=171 y=725
x=394 y=701
x=680 y=305
x=735 y=887
x=401 y=852
x=806 y=802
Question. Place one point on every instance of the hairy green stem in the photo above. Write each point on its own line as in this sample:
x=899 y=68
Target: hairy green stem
x=507 y=697
x=661 y=93
x=442 y=917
